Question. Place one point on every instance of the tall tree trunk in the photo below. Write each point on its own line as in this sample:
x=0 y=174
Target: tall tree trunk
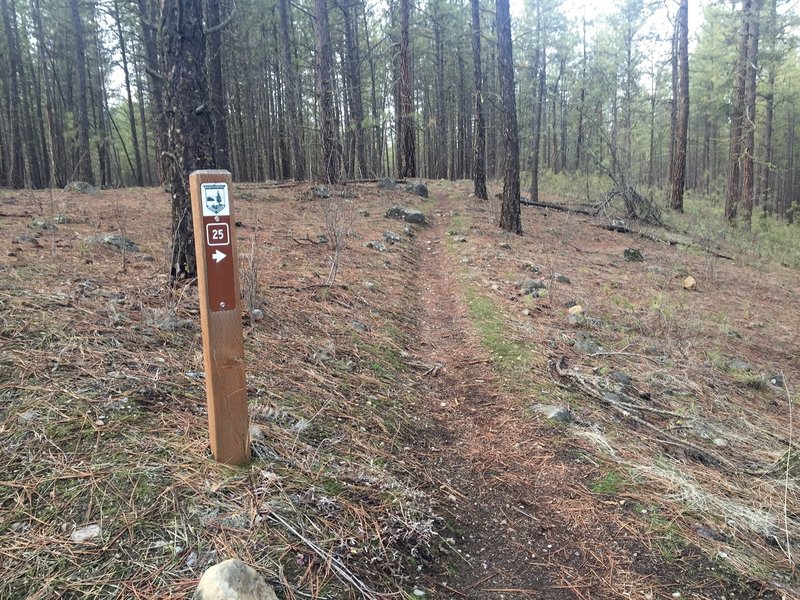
x=765 y=194
x=509 y=210
x=440 y=130
x=219 y=110
x=16 y=170
x=44 y=95
x=292 y=95
x=147 y=16
x=678 y=170
x=331 y=148
x=356 y=97
x=85 y=171
x=540 y=78
x=190 y=135
x=137 y=155
x=479 y=143
x=407 y=145
x=581 y=105
x=734 y=187
x=749 y=121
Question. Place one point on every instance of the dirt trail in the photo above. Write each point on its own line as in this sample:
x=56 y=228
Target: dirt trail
x=526 y=521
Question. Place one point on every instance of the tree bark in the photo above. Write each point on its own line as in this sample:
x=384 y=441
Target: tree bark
x=479 y=144
x=407 y=145
x=509 y=210
x=331 y=148
x=190 y=136
x=734 y=187
x=678 y=171
x=292 y=95
x=356 y=98
x=85 y=171
x=539 y=76
x=219 y=111
x=16 y=167
x=749 y=121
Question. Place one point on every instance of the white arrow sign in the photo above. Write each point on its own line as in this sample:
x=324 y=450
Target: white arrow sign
x=218 y=256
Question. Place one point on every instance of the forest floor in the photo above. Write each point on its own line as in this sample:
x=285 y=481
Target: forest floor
x=403 y=447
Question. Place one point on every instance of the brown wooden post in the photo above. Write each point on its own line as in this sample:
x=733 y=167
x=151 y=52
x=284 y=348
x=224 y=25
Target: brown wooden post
x=220 y=316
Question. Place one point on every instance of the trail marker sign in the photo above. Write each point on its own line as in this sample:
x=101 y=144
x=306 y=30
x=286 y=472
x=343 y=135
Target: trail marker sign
x=220 y=316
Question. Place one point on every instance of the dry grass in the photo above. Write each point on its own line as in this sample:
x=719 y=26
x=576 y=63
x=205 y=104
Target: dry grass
x=102 y=418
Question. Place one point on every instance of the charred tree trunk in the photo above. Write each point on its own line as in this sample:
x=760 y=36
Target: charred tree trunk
x=509 y=211
x=155 y=79
x=137 y=155
x=190 y=134
x=356 y=98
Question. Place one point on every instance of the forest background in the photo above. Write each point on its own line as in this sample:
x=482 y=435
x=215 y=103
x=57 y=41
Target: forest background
x=333 y=90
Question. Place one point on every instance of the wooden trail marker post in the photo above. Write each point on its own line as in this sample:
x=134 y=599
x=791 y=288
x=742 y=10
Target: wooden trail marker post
x=220 y=316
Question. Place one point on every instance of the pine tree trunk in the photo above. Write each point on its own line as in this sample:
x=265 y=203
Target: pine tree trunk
x=408 y=159
x=219 y=111
x=292 y=95
x=509 y=210
x=749 y=121
x=678 y=171
x=356 y=99
x=479 y=143
x=84 y=171
x=16 y=170
x=156 y=87
x=331 y=148
x=190 y=134
x=539 y=75
x=734 y=187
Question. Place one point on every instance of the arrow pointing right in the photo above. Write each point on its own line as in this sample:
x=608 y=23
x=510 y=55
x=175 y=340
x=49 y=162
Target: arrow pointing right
x=218 y=256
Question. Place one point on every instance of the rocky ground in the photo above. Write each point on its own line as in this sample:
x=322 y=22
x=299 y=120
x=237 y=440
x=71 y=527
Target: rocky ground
x=451 y=412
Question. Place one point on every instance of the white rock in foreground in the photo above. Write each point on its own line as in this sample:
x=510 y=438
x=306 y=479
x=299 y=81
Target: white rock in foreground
x=86 y=534
x=233 y=580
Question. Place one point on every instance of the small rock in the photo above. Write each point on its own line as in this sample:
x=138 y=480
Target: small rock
x=418 y=188
x=533 y=269
x=576 y=309
x=776 y=380
x=369 y=285
x=257 y=314
x=418 y=593
x=528 y=286
x=405 y=214
x=376 y=245
x=359 y=326
x=526 y=312
x=408 y=231
x=110 y=239
x=348 y=194
x=460 y=239
x=561 y=278
x=588 y=346
x=391 y=237
x=553 y=413
x=256 y=435
x=321 y=239
x=43 y=224
x=739 y=365
x=321 y=191
x=719 y=442
x=63 y=219
x=620 y=378
x=387 y=183
x=690 y=283
x=363 y=213
x=633 y=255
x=26 y=238
x=81 y=187
x=504 y=245
x=575 y=319
x=86 y=534
x=233 y=580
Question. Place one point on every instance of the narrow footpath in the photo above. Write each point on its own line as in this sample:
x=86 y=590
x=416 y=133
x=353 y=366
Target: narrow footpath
x=526 y=522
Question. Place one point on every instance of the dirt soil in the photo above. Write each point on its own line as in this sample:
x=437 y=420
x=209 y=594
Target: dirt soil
x=401 y=406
